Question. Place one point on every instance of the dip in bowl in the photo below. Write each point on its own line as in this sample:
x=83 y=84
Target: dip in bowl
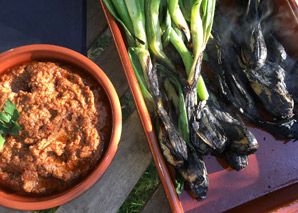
x=71 y=123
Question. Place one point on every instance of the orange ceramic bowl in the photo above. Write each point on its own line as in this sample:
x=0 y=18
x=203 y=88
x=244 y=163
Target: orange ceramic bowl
x=23 y=54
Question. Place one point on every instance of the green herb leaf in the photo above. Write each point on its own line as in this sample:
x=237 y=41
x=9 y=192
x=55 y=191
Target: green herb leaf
x=2 y=140
x=5 y=117
x=15 y=115
x=8 y=121
x=10 y=107
x=3 y=129
x=3 y=125
x=15 y=128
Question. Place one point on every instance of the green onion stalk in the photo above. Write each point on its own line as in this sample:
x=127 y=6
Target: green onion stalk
x=202 y=14
x=154 y=32
x=124 y=11
x=178 y=18
x=185 y=6
x=120 y=14
x=133 y=56
x=201 y=21
x=166 y=27
x=172 y=35
x=178 y=101
x=181 y=48
x=137 y=14
x=121 y=8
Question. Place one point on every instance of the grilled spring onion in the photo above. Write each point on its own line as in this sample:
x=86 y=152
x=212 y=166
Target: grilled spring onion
x=201 y=25
x=136 y=12
x=153 y=31
x=123 y=13
x=186 y=56
x=125 y=24
x=132 y=53
x=179 y=104
x=182 y=50
x=185 y=6
x=178 y=18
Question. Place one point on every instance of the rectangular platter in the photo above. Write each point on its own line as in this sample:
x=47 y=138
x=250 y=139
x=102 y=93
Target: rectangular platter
x=270 y=182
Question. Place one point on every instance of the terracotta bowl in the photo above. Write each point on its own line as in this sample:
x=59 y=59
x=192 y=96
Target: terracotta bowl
x=23 y=54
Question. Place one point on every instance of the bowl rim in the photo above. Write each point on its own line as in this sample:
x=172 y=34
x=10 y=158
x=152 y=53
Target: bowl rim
x=41 y=51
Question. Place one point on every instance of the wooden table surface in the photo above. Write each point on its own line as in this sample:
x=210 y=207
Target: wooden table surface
x=133 y=155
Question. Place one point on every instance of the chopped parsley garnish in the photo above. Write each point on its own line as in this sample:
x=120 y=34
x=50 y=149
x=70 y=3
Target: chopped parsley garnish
x=8 y=121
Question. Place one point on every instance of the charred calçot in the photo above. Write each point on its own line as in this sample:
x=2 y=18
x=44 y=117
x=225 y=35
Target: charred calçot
x=231 y=83
x=240 y=139
x=190 y=165
x=249 y=85
x=268 y=83
x=253 y=47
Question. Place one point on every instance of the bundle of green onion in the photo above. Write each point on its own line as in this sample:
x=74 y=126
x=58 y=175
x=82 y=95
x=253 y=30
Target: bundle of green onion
x=154 y=30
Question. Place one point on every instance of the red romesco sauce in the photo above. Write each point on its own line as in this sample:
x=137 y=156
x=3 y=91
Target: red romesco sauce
x=66 y=121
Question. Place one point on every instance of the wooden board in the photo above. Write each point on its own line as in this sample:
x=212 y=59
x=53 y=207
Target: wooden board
x=96 y=22
x=158 y=200
x=109 y=62
x=7 y=210
x=131 y=160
